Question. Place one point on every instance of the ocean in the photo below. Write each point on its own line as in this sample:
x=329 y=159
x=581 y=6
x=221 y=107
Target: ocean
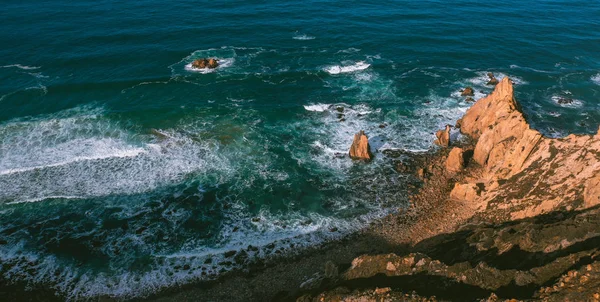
x=124 y=171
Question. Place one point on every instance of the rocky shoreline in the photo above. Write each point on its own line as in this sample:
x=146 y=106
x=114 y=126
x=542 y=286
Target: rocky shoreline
x=503 y=214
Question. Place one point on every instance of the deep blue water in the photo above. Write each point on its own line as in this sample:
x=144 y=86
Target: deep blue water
x=122 y=169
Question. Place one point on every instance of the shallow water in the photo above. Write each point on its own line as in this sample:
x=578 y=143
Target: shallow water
x=123 y=169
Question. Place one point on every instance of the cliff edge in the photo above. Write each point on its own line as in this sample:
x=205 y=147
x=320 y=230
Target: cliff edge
x=510 y=214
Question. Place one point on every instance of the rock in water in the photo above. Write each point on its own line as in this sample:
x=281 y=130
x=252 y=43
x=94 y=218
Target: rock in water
x=443 y=137
x=200 y=63
x=360 y=147
x=564 y=101
x=212 y=63
x=205 y=63
x=468 y=92
x=493 y=80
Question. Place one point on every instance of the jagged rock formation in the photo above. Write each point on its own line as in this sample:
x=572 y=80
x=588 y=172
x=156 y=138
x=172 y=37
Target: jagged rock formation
x=443 y=137
x=522 y=173
x=520 y=219
x=554 y=257
x=360 y=148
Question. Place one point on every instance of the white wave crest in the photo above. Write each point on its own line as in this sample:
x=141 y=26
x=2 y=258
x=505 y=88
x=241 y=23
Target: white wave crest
x=570 y=102
x=303 y=37
x=87 y=155
x=23 y=67
x=317 y=107
x=337 y=69
x=596 y=79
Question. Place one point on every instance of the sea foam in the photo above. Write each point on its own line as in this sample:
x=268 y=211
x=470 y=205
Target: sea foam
x=337 y=69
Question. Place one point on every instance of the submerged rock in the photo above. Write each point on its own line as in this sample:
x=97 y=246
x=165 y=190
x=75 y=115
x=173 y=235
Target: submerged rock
x=564 y=101
x=468 y=91
x=360 y=147
x=443 y=137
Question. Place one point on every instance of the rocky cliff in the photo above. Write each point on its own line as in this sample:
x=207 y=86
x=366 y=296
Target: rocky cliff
x=509 y=214
x=523 y=173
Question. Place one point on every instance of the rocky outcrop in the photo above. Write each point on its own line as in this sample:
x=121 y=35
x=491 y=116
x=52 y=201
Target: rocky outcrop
x=555 y=257
x=360 y=149
x=205 y=63
x=518 y=220
x=522 y=169
x=456 y=160
x=443 y=137
x=468 y=91
x=492 y=80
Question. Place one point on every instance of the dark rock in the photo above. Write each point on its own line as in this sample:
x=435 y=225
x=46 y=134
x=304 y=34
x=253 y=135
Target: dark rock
x=470 y=100
x=229 y=254
x=241 y=257
x=256 y=219
x=564 y=101
x=382 y=125
x=331 y=270
x=333 y=229
x=340 y=109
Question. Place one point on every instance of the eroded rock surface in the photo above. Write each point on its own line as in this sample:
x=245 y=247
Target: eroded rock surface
x=360 y=148
x=520 y=220
x=530 y=174
x=443 y=137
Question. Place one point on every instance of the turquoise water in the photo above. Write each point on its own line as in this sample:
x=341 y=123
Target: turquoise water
x=123 y=171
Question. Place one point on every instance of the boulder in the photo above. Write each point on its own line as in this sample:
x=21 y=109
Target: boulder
x=360 y=147
x=212 y=63
x=443 y=137
x=493 y=80
x=205 y=63
x=465 y=192
x=200 y=63
x=467 y=92
x=470 y=100
x=455 y=161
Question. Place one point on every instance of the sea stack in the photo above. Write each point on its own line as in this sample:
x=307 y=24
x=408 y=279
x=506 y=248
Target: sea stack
x=360 y=147
x=443 y=137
